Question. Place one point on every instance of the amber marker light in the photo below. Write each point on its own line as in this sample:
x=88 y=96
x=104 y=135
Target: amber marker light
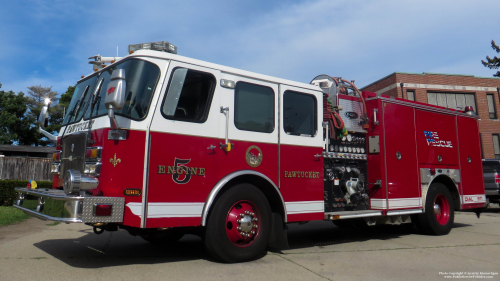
x=56 y=156
x=94 y=153
x=132 y=192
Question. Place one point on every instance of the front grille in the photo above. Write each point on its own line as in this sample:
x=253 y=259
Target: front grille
x=74 y=148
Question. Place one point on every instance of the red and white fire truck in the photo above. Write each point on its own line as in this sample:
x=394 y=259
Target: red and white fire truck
x=162 y=145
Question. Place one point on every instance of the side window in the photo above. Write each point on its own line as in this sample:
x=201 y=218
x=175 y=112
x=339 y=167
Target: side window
x=299 y=114
x=253 y=108
x=189 y=95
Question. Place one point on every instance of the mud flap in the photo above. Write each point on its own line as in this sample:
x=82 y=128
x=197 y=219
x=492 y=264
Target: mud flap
x=278 y=238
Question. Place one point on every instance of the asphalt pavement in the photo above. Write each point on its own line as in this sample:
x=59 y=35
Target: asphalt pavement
x=38 y=250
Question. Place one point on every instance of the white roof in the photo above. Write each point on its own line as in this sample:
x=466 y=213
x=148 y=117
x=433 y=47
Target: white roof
x=222 y=68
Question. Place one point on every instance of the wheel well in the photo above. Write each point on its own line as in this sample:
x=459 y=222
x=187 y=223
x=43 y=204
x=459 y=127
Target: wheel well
x=272 y=195
x=452 y=188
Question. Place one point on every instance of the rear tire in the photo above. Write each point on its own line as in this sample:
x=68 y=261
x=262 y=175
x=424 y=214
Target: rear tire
x=239 y=224
x=439 y=211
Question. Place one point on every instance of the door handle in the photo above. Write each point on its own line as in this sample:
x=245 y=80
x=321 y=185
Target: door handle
x=227 y=146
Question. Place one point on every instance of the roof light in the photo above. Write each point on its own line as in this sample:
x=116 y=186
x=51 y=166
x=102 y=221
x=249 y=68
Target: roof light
x=163 y=46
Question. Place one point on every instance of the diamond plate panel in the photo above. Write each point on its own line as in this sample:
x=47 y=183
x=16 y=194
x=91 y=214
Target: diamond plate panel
x=116 y=215
x=351 y=106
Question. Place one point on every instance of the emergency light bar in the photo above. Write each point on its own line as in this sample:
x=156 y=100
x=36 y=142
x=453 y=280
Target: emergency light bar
x=163 y=46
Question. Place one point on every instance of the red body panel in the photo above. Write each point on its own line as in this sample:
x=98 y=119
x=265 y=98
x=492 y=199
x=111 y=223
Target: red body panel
x=402 y=174
x=125 y=170
x=424 y=139
x=442 y=142
x=301 y=178
x=217 y=164
x=472 y=177
x=376 y=161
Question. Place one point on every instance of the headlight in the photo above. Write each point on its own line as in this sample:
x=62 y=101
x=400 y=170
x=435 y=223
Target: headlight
x=54 y=168
x=92 y=169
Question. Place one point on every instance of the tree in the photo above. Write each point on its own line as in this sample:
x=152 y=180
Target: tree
x=493 y=63
x=13 y=124
x=66 y=97
x=19 y=115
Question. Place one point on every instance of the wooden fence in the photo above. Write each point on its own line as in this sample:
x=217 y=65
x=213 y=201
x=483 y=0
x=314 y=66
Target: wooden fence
x=22 y=168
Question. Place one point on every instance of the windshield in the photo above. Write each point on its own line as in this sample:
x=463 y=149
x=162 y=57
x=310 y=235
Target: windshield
x=79 y=100
x=141 y=78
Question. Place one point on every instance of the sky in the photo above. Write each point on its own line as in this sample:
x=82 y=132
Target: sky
x=48 y=42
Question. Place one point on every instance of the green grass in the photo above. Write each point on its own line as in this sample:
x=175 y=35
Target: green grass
x=10 y=215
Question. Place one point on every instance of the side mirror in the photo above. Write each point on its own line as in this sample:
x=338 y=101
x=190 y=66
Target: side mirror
x=43 y=119
x=115 y=95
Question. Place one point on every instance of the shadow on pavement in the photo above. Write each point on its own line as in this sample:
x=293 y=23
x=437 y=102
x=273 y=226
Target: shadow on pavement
x=120 y=248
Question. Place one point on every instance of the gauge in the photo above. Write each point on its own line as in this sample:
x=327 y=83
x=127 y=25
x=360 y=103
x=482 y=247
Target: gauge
x=345 y=148
x=336 y=148
x=349 y=149
x=348 y=169
x=362 y=150
x=344 y=138
x=331 y=147
x=349 y=137
x=358 y=150
x=341 y=149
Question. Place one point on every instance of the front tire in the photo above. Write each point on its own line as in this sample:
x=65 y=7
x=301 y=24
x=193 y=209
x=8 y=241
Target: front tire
x=238 y=227
x=439 y=211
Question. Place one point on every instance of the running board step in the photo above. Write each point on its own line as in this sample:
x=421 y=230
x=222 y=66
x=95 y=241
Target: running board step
x=368 y=213
x=351 y=214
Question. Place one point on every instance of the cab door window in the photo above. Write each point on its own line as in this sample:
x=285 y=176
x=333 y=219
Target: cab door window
x=254 y=108
x=189 y=95
x=299 y=113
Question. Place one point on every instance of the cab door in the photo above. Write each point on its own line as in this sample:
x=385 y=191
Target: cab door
x=251 y=118
x=183 y=159
x=301 y=148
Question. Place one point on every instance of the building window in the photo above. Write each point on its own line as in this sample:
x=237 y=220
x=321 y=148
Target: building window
x=496 y=146
x=452 y=101
x=491 y=106
x=410 y=95
x=299 y=113
x=254 y=108
x=189 y=95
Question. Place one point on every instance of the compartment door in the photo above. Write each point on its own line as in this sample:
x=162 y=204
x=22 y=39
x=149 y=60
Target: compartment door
x=400 y=146
x=471 y=171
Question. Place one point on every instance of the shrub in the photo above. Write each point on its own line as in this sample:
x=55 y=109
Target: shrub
x=8 y=194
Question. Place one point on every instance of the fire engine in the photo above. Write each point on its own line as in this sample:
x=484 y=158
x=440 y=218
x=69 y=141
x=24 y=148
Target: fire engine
x=162 y=145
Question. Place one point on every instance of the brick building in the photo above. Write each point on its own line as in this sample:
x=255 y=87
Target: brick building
x=451 y=91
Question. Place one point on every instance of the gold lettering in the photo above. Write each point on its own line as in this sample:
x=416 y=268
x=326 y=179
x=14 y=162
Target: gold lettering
x=180 y=170
x=170 y=170
x=193 y=171
x=161 y=169
x=286 y=173
x=302 y=174
x=202 y=172
x=317 y=175
x=293 y=174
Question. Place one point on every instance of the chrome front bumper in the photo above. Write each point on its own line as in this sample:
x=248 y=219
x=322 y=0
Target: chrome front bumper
x=55 y=205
